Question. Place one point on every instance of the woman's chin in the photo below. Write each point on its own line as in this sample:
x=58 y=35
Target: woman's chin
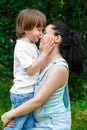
x=40 y=47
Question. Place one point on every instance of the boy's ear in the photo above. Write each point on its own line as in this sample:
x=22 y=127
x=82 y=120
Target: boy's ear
x=57 y=39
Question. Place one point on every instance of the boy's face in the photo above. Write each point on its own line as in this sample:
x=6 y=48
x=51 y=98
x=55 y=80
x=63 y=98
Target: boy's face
x=34 y=34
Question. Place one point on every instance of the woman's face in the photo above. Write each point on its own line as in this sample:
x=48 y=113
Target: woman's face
x=47 y=32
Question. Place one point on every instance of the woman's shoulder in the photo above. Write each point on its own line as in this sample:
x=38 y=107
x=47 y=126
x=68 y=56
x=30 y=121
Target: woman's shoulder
x=59 y=68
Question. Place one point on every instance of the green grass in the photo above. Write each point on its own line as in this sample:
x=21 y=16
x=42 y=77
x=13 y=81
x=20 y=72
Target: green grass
x=79 y=107
x=79 y=114
x=4 y=97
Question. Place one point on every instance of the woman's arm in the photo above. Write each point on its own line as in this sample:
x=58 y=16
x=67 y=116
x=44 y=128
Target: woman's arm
x=55 y=79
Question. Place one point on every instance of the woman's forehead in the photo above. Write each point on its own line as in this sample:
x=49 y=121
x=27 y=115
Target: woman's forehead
x=49 y=28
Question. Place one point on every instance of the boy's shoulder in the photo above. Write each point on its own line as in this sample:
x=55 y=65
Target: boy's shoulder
x=22 y=44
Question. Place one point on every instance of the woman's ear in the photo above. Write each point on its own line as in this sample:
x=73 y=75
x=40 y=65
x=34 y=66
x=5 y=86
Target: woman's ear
x=58 y=39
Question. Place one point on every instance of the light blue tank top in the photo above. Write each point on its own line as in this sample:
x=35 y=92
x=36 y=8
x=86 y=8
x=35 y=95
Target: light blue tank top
x=59 y=102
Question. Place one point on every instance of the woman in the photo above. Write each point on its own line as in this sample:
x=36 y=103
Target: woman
x=51 y=104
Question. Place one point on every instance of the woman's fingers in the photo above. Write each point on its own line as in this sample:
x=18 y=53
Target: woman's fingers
x=10 y=124
x=49 y=41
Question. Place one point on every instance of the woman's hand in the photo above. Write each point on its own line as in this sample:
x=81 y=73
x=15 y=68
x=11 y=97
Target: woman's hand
x=6 y=118
x=10 y=124
x=47 y=44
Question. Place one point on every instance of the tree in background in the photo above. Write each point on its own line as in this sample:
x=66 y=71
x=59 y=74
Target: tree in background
x=74 y=12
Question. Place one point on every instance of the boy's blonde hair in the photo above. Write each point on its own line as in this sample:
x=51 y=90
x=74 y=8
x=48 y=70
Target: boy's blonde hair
x=28 y=19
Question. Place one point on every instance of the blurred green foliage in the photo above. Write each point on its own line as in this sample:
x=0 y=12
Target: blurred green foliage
x=73 y=12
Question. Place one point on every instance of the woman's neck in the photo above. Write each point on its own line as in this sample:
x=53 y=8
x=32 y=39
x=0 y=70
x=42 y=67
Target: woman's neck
x=55 y=54
x=45 y=64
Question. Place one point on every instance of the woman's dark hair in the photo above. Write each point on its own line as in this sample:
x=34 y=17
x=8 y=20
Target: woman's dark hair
x=71 y=46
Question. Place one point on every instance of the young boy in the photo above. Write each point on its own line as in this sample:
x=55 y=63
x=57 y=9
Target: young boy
x=29 y=25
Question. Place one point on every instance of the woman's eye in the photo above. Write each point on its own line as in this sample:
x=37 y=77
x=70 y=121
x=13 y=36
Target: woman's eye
x=44 y=32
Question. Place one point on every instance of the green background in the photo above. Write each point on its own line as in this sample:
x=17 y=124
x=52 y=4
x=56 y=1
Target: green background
x=74 y=13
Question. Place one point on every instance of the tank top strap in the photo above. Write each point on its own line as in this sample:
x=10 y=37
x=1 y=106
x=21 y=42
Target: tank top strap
x=59 y=61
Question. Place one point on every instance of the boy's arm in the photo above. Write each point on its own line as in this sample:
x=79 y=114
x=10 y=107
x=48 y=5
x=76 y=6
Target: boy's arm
x=31 y=70
x=47 y=48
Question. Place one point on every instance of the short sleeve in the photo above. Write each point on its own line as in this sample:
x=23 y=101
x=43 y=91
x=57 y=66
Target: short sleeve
x=27 y=56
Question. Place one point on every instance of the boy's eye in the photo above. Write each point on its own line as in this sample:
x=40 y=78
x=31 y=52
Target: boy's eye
x=39 y=30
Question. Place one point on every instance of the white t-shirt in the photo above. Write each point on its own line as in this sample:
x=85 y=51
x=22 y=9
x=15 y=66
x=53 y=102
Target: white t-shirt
x=25 y=54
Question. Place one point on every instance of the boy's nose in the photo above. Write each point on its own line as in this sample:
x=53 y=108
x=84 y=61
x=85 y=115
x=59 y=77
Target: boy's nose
x=41 y=35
